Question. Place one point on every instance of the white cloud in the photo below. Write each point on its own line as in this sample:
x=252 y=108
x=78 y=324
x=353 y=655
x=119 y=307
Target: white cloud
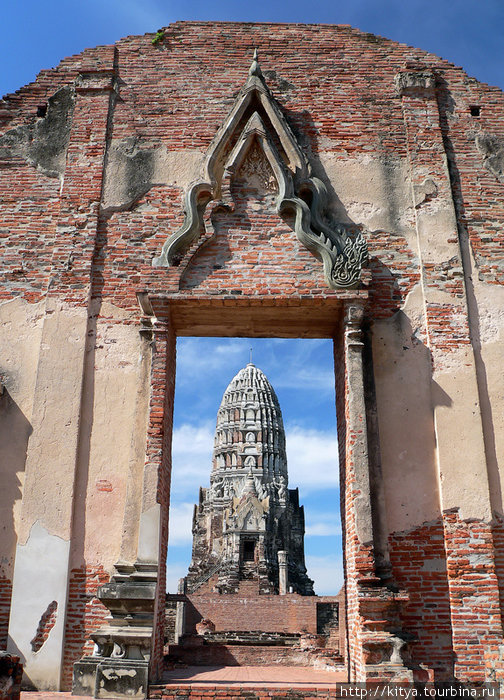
x=327 y=572
x=198 y=357
x=174 y=572
x=304 y=374
x=191 y=458
x=181 y=523
x=288 y=364
x=323 y=529
x=312 y=458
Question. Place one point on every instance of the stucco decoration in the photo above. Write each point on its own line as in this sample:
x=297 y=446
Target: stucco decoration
x=256 y=119
x=492 y=150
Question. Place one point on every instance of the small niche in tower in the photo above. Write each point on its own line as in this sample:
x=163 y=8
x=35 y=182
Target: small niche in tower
x=248 y=550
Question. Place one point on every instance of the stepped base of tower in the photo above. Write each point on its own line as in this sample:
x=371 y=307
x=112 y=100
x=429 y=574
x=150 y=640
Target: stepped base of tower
x=249 y=629
x=252 y=655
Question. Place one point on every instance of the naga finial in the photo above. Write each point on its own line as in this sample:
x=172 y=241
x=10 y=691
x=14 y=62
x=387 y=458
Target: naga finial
x=255 y=69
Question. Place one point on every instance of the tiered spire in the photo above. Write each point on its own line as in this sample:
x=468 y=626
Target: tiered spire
x=248 y=520
x=250 y=436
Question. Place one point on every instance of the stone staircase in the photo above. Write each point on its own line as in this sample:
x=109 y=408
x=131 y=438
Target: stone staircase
x=253 y=649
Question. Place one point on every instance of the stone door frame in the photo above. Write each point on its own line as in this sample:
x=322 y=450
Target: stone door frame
x=369 y=597
x=131 y=647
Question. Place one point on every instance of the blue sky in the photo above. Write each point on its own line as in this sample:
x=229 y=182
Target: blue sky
x=302 y=374
x=37 y=35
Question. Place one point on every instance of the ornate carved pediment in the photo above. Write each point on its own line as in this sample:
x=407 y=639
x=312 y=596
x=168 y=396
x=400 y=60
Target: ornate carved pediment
x=256 y=121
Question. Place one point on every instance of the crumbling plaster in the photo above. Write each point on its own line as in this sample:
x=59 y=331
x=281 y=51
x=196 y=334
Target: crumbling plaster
x=462 y=470
x=403 y=379
x=488 y=335
x=369 y=189
x=43 y=553
x=51 y=461
x=133 y=167
x=118 y=394
x=44 y=142
x=20 y=334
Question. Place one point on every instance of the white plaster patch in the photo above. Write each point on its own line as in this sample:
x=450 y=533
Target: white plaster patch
x=363 y=211
x=148 y=536
x=479 y=560
x=40 y=577
x=434 y=565
x=175 y=168
x=113 y=673
x=384 y=202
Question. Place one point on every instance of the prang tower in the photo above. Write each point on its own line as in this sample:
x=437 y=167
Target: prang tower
x=248 y=526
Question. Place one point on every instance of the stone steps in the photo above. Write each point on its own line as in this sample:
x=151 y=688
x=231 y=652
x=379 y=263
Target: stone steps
x=248 y=692
x=253 y=655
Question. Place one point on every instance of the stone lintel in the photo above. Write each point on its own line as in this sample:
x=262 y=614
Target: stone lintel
x=261 y=316
x=416 y=83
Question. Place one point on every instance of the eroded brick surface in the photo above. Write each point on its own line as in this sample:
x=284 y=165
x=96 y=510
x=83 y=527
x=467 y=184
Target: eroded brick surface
x=84 y=615
x=5 y=601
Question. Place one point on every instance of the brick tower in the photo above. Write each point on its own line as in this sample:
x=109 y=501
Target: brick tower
x=248 y=525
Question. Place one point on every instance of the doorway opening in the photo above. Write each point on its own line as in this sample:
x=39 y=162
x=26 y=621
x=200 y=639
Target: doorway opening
x=301 y=371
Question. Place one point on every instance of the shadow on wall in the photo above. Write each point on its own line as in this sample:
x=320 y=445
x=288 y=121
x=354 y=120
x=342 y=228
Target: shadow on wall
x=447 y=106
x=407 y=396
x=15 y=431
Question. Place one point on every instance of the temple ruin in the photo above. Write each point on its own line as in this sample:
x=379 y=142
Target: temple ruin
x=248 y=526
x=226 y=179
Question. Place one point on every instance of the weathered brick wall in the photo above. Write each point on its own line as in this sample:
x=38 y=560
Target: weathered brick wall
x=419 y=563
x=235 y=655
x=5 y=601
x=498 y=538
x=350 y=541
x=180 y=691
x=151 y=113
x=85 y=614
x=186 y=115
x=158 y=455
x=270 y=613
x=474 y=594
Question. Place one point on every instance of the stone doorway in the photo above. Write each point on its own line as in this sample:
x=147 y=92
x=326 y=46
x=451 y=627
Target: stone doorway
x=371 y=606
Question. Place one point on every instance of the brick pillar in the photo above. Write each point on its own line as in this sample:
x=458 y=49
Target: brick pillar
x=43 y=549
x=157 y=477
x=130 y=643
x=463 y=478
x=374 y=641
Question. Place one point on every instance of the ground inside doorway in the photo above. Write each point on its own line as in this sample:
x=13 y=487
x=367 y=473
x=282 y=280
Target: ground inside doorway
x=256 y=676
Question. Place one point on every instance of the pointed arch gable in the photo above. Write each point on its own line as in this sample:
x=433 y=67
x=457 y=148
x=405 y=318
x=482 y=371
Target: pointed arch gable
x=300 y=194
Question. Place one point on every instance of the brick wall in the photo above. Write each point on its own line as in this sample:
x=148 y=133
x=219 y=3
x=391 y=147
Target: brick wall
x=362 y=115
x=474 y=594
x=85 y=614
x=269 y=613
x=5 y=602
x=158 y=461
x=234 y=655
x=185 y=692
x=419 y=563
